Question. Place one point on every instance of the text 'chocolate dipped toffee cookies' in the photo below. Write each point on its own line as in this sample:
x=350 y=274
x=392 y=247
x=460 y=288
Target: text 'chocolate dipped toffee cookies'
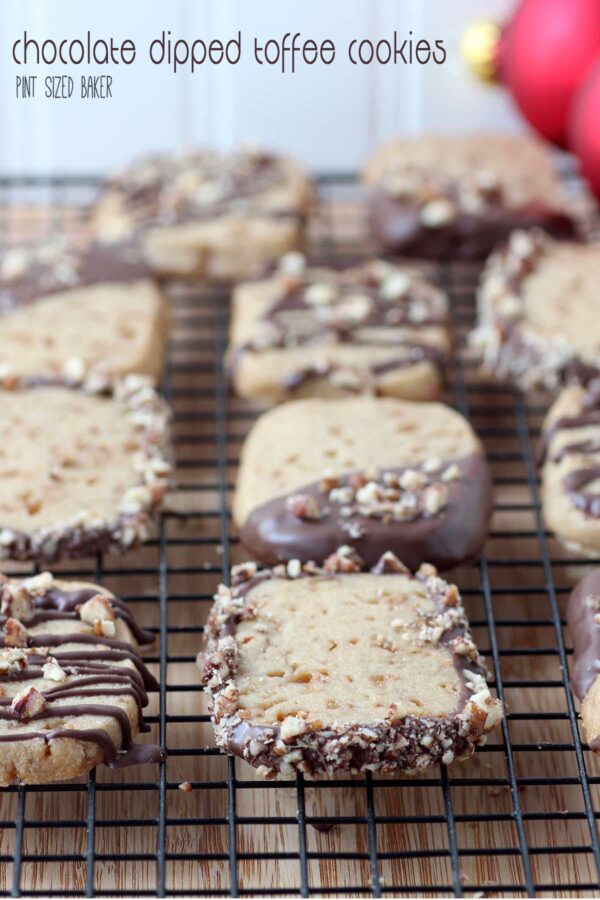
x=336 y=670
x=583 y=619
x=538 y=322
x=374 y=473
x=206 y=215
x=455 y=197
x=70 y=312
x=376 y=328
x=72 y=682
x=570 y=458
x=80 y=473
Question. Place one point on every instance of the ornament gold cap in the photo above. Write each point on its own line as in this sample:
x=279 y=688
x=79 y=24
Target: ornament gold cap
x=479 y=46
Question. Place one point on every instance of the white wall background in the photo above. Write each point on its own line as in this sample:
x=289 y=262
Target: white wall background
x=329 y=116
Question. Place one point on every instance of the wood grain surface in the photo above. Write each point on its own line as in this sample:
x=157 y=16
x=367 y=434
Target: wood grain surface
x=513 y=820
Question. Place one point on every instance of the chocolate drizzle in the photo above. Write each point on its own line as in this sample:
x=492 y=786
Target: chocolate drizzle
x=577 y=480
x=589 y=415
x=93 y=673
x=454 y=534
x=574 y=484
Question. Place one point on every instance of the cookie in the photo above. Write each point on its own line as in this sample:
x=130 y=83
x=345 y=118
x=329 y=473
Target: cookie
x=537 y=312
x=374 y=473
x=207 y=215
x=452 y=197
x=337 y=670
x=569 y=454
x=80 y=473
x=109 y=330
x=38 y=269
x=72 y=682
x=583 y=620
x=376 y=328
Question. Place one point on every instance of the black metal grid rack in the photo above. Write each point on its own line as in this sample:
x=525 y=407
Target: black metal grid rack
x=519 y=819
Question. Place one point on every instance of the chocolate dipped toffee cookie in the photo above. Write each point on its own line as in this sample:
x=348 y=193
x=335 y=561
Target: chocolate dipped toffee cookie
x=452 y=197
x=69 y=312
x=373 y=473
x=335 y=669
x=207 y=215
x=583 y=619
x=376 y=328
x=570 y=459
x=80 y=473
x=538 y=321
x=72 y=681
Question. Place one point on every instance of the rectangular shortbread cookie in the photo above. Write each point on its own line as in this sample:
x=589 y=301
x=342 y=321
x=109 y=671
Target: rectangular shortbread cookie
x=72 y=682
x=373 y=472
x=69 y=312
x=377 y=328
x=570 y=458
x=334 y=670
x=207 y=215
x=538 y=323
x=80 y=473
x=454 y=197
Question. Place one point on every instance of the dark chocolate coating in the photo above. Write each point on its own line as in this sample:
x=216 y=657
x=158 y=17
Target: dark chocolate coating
x=582 y=609
x=397 y=228
x=272 y=534
x=95 y=264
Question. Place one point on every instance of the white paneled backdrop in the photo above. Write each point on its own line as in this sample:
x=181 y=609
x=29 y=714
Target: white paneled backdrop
x=329 y=116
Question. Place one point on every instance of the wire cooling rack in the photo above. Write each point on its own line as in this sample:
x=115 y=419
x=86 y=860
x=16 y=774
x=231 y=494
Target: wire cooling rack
x=520 y=819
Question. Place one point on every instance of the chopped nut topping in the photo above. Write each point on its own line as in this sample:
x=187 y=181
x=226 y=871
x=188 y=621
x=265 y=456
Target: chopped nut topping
x=15 y=634
x=12 y=660
x=97 y=609
x=435 y=498
x=303 y=506
x=294 y=568
x=452 y=473
x=104 y=628
x=16 y=602
x=329 y=481
x=293 y=263
x=243 y=572
x=39 y=583
x=345 y=560
x=320 y=293
x=15 y=263
x=291 y=727
x=27 y=703
x=394 y=286
x=411 y=479
x=390 y=564
x=52 y=670
x=74 y=370
x=437 y=213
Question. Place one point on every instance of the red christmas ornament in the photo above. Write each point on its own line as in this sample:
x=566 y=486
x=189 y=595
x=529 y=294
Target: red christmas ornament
x=546 y=51
x=584 y=128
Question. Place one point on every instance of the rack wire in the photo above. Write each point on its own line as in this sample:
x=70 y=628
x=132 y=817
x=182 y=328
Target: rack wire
x=520 y=819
